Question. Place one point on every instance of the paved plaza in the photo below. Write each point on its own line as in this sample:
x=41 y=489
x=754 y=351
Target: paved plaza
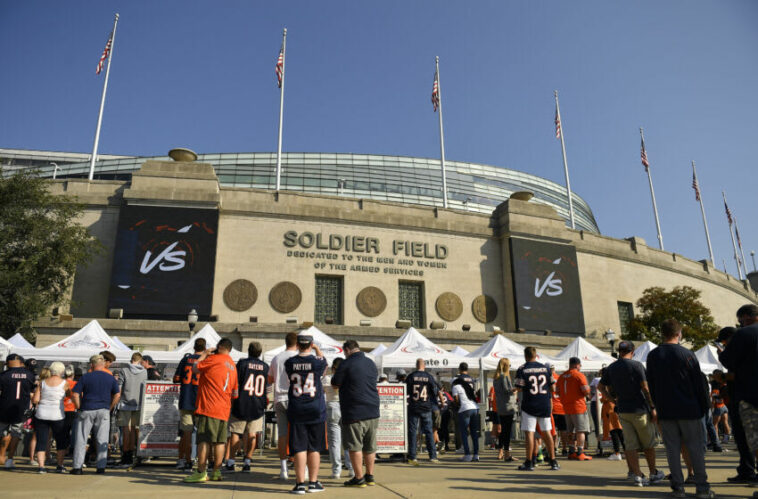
x=450 y=478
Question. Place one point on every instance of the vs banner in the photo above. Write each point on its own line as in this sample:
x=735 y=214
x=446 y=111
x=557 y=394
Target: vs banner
x=164 y=261
x=546 y=286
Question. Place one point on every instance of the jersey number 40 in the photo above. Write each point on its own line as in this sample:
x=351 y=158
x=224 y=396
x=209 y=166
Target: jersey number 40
x=255 y=385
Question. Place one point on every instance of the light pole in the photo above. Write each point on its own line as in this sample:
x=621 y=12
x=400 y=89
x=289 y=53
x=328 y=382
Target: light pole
x=752 y=255
x=55 y=168
x=192 y=320
x=610 y=336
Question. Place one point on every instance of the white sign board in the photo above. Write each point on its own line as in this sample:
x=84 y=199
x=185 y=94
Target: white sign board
x=392 y=434
x=159 y=420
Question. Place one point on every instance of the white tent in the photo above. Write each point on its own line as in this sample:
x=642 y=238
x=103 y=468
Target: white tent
x=79 y=347
x=413 y=345
x=5 y=348
x=459 y=351
x=330 y=347
x=641 y=352
x=592 y=357
x=117 y=341
x=500 y=347
x=709 y=359
x=378 y=350
x=19 y=341
x=175 y=356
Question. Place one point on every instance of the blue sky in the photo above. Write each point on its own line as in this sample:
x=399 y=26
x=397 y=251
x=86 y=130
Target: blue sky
x=359 y=76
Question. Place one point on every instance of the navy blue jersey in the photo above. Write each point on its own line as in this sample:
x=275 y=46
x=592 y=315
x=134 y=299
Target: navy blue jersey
x=188 y=381
x=535 y=382
x=16 y=385
x=252 y=375
x=422 y=390
x=306 y=394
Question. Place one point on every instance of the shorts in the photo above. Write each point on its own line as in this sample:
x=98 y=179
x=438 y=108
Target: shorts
x=239 y=426
x=749 y=416
x=307 y=437
x=436 y=420
x=560 y=422
x=186 y=420
x=12 y=429
x=127 y=418
x=720 y=411
x=529 y=422
x=211 y=430
x=280 y=409
x=360 y=436
x=577 y=423
x=638 y=430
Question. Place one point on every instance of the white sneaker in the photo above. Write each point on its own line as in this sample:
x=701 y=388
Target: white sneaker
x=641 y=481
x=475 y=458
x=336 y=476
x=615 y=457
x=351 y=473
x=283 y=475
x=33 y=462
x=657 y=476
x=466 y=458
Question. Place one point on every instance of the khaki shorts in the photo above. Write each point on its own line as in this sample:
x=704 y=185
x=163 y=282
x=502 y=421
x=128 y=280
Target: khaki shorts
x=127 y=418
x=638 y=430
x=436 y=420
x=211 y=430
x=578 y=423
x=360 y=436
x=280 y=408
x=239 y=426
x=187 y=420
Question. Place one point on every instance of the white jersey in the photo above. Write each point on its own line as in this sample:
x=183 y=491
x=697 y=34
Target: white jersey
x=281 y=381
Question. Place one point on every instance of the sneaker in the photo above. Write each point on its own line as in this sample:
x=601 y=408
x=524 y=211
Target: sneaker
x=369 y=480
x=436 y=461
x=475 y=458
x=76 y=471
x=283 y=475
x=246 y=467
x=706 y=494
x=60 y=469
x=689 y=481
x=466 y=458
x=731 y=479
x=554 y=466
x=583 y=457
x=413 y=462
x=228 y=468
x=9 y=465
x=355 y=482
x=631 y=476
x=180 y=464
x=123 y=466
x=188 y=466
x=527 y=466
x=351 y=473
x=100 y=471
x=314 y=487
x=300 y=488
x=615 y=457
x=657 y=476
x=641 y=481
x=573 y=456
x=678 y=493
x=33 y=462
x=41 y=471
x=216 y=476
x=336 y=476
x=196 y=477
x=717 y=448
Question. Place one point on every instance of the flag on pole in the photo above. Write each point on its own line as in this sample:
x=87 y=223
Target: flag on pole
x=557 y=124
x=695 y=186
x=737 y=233
x=280 y=67
x=436 y=92
x=728 y=214
x=643 y=155
x=106 y=52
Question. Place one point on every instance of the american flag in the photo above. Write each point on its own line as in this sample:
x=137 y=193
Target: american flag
x=643 y=155
x=696 y=187
x=729 y=217
x=106 y=52
x=280 y=67
x=557 y=124
x=436 y=92
x=737 y=233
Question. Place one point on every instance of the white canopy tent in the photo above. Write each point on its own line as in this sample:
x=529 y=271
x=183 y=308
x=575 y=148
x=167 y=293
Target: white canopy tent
x=459 y=351
x=5 y=348
x=378 y=350
x=500 y=347
x=641 y=352
x=413 y=345
x=79 y=347
x=592 y=357
x=330 y=347
x=175 y=356
x=709 y=359
x=19 y=341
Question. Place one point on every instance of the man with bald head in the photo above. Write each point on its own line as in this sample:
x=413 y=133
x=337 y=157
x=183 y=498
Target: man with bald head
x=422 y=390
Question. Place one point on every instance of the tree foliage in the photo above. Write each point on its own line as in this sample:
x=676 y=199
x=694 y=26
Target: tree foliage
x=681 y=303
x=41 y=245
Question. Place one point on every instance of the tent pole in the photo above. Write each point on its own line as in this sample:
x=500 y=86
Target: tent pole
x=483 y=413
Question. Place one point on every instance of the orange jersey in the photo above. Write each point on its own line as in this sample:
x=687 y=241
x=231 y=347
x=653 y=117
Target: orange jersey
x=492 y=399
x=557 y=405
x=217 y=386
x=718 y=400
x=572 y=388
x=68 y=404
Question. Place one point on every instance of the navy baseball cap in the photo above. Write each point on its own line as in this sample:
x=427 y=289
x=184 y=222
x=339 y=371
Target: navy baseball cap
x=304 y=339
x=148 y=359
x=14 y=356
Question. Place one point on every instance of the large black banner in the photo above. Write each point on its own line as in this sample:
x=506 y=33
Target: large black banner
x=164 y=261
x=546 y=285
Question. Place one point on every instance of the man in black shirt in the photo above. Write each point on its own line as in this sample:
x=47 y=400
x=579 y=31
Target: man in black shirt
x=16 y=386
x=422 y=391
x=681 y=400
x=359 y=404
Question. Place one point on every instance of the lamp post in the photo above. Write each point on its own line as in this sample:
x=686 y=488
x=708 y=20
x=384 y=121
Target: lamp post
x=55 y=168
x=610 y=336
x=192 y=320
x=752 y=255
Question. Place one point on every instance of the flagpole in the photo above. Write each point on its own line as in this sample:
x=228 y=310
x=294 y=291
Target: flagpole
x=93 y=158
x=281 y=113
x=442 y=135
x=652 y=195
x=739 y=243
x=734 y=246
x=705 y=222
x=565 y=164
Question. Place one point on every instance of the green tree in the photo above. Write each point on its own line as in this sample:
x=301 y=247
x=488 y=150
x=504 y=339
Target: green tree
x=41 y=246
x=681 y=303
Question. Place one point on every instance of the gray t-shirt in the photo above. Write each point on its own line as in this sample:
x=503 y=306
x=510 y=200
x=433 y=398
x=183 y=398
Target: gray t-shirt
x=505 y=399
x=625 y=377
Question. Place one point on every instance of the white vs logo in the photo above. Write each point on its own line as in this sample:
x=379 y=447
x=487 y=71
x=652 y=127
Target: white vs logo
x=553 y=287
x=176 y=262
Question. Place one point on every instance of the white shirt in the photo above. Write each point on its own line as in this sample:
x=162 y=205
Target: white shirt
x=593 y=388
x=331 y=393
x=281 y=381
x=466 y=403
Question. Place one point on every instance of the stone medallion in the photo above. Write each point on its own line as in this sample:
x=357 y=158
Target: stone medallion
x=484 y=308
x=371 y=301
x=240 y=295
x=449 y=306
x=285 y=297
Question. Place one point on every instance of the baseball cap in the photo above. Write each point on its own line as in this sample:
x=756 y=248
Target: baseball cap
x=148 y=359
x=30 y=364
x=14 y=356
x=401 y=372
x=304 y=339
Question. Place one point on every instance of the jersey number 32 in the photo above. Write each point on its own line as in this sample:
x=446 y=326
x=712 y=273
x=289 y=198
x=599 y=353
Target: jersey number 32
x=537 y=384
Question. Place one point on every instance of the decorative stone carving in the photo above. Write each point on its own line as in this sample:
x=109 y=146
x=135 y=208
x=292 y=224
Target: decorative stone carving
x=484 y=308
x=449 y=306
x=285 y=297
x=371 y=301
x=240 y=295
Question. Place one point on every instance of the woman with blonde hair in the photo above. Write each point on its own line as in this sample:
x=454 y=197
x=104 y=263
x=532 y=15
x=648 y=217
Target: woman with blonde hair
x=505 y=402
x=50 y=416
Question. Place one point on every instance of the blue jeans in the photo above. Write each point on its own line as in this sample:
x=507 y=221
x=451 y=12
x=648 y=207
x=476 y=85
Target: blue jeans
x=426 y=428
x=468 y=423
x=334 y=436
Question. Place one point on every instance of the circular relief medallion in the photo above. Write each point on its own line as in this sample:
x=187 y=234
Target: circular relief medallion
x=285 y=297
x=371 y=301
x=449 y=306
x=484 y=308
x=240 y=295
